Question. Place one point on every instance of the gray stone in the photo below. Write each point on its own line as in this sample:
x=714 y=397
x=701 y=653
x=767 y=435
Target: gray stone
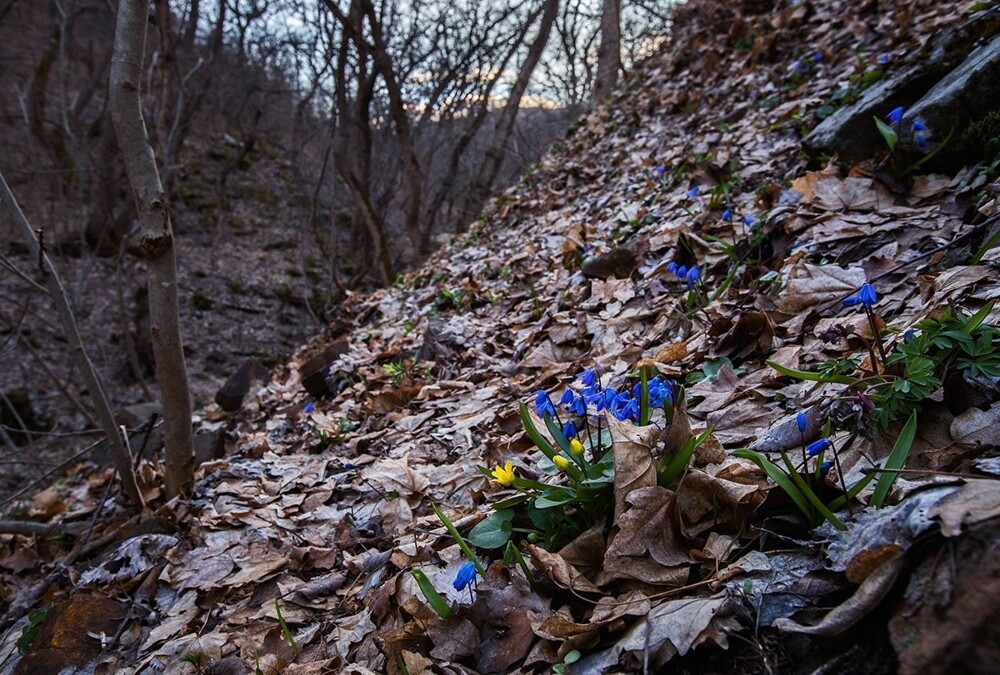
x=850 y=132
x=230 y=396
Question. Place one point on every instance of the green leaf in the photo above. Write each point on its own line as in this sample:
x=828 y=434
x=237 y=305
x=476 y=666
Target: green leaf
x=888 y=133
x=811 y=496
x=812 y=377
x=529 y=427
x=896 y=460
x=433 y=598
x=643 y=397
x=976 y=319
x=780 y=478
x=284 y=628
x=675 y=467
x=456 y=535
x=494 y=530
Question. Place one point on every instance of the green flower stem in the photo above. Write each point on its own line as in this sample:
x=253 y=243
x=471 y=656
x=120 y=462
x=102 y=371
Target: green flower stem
x=453 y=531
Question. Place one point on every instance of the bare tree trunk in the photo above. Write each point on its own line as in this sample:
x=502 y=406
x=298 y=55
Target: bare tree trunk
x=123 y=459
x=609 y=54
x=480 y=188
x=156 y=245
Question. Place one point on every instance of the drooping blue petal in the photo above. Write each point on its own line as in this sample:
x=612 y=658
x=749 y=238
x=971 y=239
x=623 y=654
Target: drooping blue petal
x=727 y=215
x=588 y=377
x=309 y=407
x=681 y=271
x=800 y=421
x=465 y=576
x=818 y=446
x=569 y=430
x=567 y=397
x=895 y=116
x=543 y=404
x=692 y=276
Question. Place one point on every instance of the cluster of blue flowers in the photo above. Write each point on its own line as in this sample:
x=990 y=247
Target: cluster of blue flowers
x=691 y=276
x=727 y=216
x=921 y=134
x=623 y=405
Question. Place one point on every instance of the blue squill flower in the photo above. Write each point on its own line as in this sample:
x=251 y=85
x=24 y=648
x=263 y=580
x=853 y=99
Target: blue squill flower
x=567 y=397
x=800 y=421
x=818 y=446
x=817 y=57
x=909 y=336
x=672 y=267
x=825 y=467
x=748 y=220
x=588 y=377
x=921 y=134
x=693 y=192
x=681 y=271
x=796 y=65
x=543 y=404
x=309 y=407
x=865 y=296
x=895 y=116
x=569 y=429
x=465 y=576
x=883 y=59
x=727 y=215
x=692 y=276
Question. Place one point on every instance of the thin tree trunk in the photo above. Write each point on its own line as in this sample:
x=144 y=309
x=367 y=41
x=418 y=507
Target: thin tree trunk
x=123 y=460
x=490 y=167
x=609 y=54
x=156 y=245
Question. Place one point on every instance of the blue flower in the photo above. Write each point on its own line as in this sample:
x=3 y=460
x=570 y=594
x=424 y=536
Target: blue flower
x=588 y=377
x=659 y=392
x=921 y=134
x=909 y=336
x=883 y=59
x=817 y=57
x=567 y=397
x=818 y=446
x=865 y=296
x=681 y=271
x=543 y=404
x=748 y=220
x=672 y=267
x=727 y=215
x=895 y=116
x=578 y=407
x=800 y=421
x=693 y=192
x=825 y=467
x=692 y=276
x=569 y=430
x=309 y=407
x=660 y=170
x=796 y=65
x=465 y=576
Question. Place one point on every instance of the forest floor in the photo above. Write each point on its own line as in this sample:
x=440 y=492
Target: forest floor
x=296 y=551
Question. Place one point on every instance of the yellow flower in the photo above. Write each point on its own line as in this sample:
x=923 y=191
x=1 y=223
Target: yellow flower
x=576 y=447
x=504 y=474
x=561 y=462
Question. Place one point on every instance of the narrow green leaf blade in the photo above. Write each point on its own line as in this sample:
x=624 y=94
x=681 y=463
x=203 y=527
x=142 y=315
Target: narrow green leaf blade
x=433 y=598
x=896 y=460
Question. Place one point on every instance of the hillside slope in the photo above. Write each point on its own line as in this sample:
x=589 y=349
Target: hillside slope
x=322 y=509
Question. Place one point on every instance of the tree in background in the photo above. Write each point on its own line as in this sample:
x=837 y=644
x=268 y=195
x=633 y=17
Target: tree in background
x=156 y=244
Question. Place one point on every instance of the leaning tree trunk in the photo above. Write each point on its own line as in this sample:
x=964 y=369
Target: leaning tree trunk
x=156 y=245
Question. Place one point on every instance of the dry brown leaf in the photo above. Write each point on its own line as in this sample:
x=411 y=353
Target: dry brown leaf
x=972 y=503
x=634 y=465
x=810 y=285
x=869 y=594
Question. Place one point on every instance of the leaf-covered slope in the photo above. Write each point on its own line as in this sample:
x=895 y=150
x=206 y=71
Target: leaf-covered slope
x=324 y=504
